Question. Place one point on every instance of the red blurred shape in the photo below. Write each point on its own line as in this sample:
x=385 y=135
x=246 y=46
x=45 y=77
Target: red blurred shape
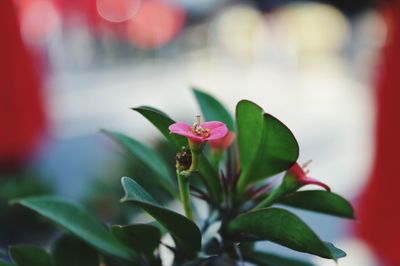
x=378 y=212
x=155 y=24
x=22 y=119
x=117 y=10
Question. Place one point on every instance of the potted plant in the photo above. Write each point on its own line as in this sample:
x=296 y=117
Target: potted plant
x=230 y=165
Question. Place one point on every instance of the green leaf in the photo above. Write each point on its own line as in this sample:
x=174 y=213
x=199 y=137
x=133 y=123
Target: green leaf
x=210 y=178
x=3 y=263
x=141 y=237
x=148 y=157
x=186 y=232
x=212 y=109
x=24 y=255
x=284 y=228
x=267 y=259
x=69 y=250
x=2 y=253
x=79 y=222
x=266 y=146
x=212 y=261
x=320 y=201
x=161 y=121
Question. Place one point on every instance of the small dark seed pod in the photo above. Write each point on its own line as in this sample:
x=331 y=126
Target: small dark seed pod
x=183 y=159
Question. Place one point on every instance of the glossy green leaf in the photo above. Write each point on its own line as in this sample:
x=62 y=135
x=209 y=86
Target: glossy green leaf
x=267 y=259
x=213 y=110
x=148 y=157
x=69 y=250
x=161 y=121
x=141 y=237
x=184 y=230
x=320 y=201
x=79 y=222
x=284 y=228
x=25 y=255
x=266 y=146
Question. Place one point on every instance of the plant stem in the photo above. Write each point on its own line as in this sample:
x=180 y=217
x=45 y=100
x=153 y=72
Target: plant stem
x=184 y=191
x=195 y=161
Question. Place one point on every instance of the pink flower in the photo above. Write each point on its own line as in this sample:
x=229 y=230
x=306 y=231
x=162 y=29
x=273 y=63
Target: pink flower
x=200 y=132
x=224 y=142
x=301 y=176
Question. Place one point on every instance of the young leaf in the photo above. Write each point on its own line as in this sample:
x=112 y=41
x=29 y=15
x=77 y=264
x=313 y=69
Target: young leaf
x=24 y=255
x=182 y=229
x=267 y=259
x=148 y=157
x=320 y=201
x=79 y=222
x=69 y=250
x=284 y=228
x=266 y=146
x=212 y=109
x=161 y=121
x=141 y=237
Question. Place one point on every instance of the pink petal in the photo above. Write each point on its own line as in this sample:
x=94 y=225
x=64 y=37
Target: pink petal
x=311 y=181
x=183 y=129
x=218 y=133
x=223 y=143
x=179 y=127
x=212 y=124
x=297 y=171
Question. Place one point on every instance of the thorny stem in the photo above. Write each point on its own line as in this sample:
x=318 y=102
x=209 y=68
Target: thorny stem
x=184 y=192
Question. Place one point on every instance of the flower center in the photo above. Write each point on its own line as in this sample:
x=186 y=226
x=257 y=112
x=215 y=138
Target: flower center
x=198 y=130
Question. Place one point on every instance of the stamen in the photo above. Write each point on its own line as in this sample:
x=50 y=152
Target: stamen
x=198 y=130
x=306 y=164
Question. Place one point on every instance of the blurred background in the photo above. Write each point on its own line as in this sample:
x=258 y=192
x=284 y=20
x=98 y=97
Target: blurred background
x=69 y=68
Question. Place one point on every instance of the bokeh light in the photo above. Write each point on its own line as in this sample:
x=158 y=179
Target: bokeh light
x=117 y=10
x=39 y=19
x=155 y=24
x=241 y=31
x=314 y=27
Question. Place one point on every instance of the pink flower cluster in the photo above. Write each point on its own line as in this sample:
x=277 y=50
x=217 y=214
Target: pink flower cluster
x=298 y=172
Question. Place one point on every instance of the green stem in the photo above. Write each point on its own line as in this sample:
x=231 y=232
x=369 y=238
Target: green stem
x=184 y=192
x=195 y=162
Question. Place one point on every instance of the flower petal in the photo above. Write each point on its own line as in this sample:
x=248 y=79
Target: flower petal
x=312 y=181
x=218 y=133
x=212 y=124
x=179 y=127
x=223 y=143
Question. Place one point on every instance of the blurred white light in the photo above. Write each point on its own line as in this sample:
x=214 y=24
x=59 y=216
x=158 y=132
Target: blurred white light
x=313 y=27
x=240 y=31
x=358 y=253
x=118 y=10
